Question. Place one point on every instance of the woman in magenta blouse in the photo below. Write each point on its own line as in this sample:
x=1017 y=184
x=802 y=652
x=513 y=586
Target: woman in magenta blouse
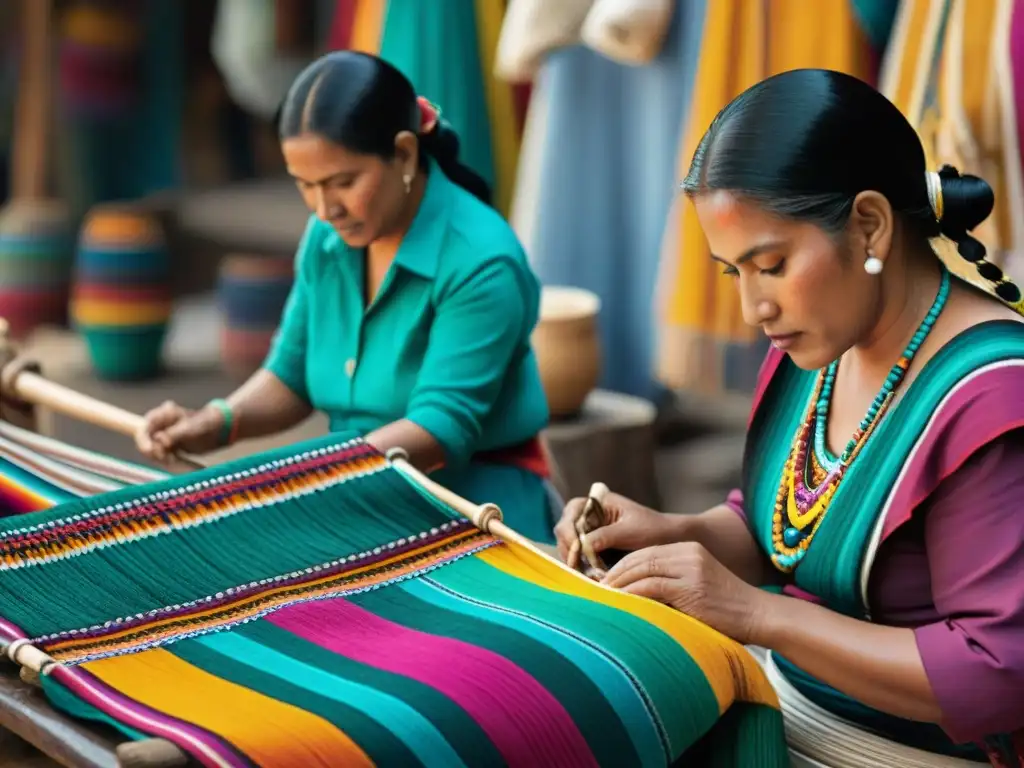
x=876 y=547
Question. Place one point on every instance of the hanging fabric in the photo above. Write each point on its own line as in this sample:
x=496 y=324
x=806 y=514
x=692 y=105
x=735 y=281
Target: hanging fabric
x=245 y=47
x=594 y=187
x=447 y=48
x=950 y=72
x=703 y=341
x=627 y=31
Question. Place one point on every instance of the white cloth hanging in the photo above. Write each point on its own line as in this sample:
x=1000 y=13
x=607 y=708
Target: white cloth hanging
x=628 y=31
x=243 y=46
x=533 y=28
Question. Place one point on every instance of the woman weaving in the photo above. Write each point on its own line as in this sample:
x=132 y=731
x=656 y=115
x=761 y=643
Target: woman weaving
x=884 y=465
x=410 y=317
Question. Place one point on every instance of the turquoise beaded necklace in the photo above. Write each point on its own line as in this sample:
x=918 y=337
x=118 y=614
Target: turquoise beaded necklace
x=892 y=381
x=801 y=504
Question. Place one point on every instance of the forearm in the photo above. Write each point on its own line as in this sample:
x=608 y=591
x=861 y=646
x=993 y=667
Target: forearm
x=425 y=453
x=264 y=405
x=726 y=536
x=877 y=665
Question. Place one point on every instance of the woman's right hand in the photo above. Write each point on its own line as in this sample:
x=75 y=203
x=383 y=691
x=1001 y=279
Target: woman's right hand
x=630 y=526
x=170 y=428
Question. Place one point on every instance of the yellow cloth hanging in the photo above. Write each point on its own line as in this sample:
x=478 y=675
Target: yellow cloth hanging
x=744 y=41
x=948 y=71
x=368 y=26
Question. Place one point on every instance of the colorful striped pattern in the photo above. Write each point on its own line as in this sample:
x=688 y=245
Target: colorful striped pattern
x=36 y=248
x=100 y=58
x=121 y=299
x=310 y=607
x=448 y=53
x=251 y=292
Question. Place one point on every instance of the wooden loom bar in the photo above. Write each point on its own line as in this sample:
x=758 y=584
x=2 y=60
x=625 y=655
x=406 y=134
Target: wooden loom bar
x=16 y=380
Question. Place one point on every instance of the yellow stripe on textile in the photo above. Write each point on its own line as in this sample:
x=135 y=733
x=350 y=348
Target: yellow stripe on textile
x=160 y=680
x=501 y=109
x=744 y=41
x=703 y=644
x=368 y=26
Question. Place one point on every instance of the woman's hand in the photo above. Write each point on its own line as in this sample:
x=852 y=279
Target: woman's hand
x=688 y=578
x=170 y=428
x=629 y=526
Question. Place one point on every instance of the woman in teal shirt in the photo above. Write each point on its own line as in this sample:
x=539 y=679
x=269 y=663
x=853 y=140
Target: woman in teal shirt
x=410 y=318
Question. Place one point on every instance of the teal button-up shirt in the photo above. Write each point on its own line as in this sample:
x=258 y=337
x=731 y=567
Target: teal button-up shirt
x=446 y=342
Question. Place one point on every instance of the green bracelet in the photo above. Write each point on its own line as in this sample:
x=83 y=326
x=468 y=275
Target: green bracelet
x=227 y=429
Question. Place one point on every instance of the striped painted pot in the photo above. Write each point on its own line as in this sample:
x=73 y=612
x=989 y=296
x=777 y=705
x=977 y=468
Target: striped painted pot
x=36 y=249
x=121 y=300
x=252 y=291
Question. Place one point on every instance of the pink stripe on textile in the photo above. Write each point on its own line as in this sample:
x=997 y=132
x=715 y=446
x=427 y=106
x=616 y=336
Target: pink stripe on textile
x=526 y=724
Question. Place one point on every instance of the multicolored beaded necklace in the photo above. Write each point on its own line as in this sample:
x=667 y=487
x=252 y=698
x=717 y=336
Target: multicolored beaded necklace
x=812 y=474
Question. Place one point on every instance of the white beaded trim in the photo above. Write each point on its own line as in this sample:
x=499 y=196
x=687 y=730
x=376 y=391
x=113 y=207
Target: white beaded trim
x=273 y=609
x=934 y=184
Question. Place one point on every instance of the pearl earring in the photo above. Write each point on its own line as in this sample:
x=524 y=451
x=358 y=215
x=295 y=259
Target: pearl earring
x=408 y=183
x=872 y=264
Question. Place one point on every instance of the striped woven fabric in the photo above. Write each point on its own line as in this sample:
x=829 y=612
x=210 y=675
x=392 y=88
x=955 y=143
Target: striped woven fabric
x=312 y=607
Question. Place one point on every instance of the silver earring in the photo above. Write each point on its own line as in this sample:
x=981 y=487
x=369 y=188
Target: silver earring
x=872 y=264
x=408 y=183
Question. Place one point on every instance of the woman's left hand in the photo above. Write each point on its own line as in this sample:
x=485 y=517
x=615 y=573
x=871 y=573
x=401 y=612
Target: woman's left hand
x=688 y=578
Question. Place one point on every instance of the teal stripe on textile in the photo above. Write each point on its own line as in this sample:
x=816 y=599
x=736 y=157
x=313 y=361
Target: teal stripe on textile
x=312 y=532
x=246 y=671
x=589 y=712
x=66 y=701
x=746 y=735
x=668 y=672
x=404 y=723
x=616 y=687
x=454 y=724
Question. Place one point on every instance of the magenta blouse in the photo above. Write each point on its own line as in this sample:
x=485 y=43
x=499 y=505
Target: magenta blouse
x=951 y=562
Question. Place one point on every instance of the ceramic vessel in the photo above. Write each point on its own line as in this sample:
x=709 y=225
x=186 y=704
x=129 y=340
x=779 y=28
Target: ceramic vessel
x=567 y=344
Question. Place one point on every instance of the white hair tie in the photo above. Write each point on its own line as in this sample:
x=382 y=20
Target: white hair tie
x=934 y=183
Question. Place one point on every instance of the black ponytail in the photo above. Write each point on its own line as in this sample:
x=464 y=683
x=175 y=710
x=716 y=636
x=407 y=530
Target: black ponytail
x=362 y=102
x=442 y=144
x=966 y=201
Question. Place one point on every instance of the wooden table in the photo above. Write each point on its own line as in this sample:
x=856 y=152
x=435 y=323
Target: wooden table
x=62 y=739
x=611 y=440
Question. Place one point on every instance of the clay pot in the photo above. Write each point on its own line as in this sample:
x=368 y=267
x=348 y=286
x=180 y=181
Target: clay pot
x=568 y=347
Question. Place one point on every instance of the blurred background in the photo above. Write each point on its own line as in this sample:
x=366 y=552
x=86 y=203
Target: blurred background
x=147 y=227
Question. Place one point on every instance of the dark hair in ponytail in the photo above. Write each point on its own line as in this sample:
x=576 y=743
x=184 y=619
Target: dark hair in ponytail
x=362 y=102
x=803 y=144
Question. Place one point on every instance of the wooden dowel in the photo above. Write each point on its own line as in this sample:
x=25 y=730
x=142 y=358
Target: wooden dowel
x=32 y=128
x=490 y=521
x=18 y=381
x=27 y=655
x=146 y=753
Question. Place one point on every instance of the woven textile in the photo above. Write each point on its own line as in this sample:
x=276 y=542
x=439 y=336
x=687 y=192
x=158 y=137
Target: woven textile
x=312 y=607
